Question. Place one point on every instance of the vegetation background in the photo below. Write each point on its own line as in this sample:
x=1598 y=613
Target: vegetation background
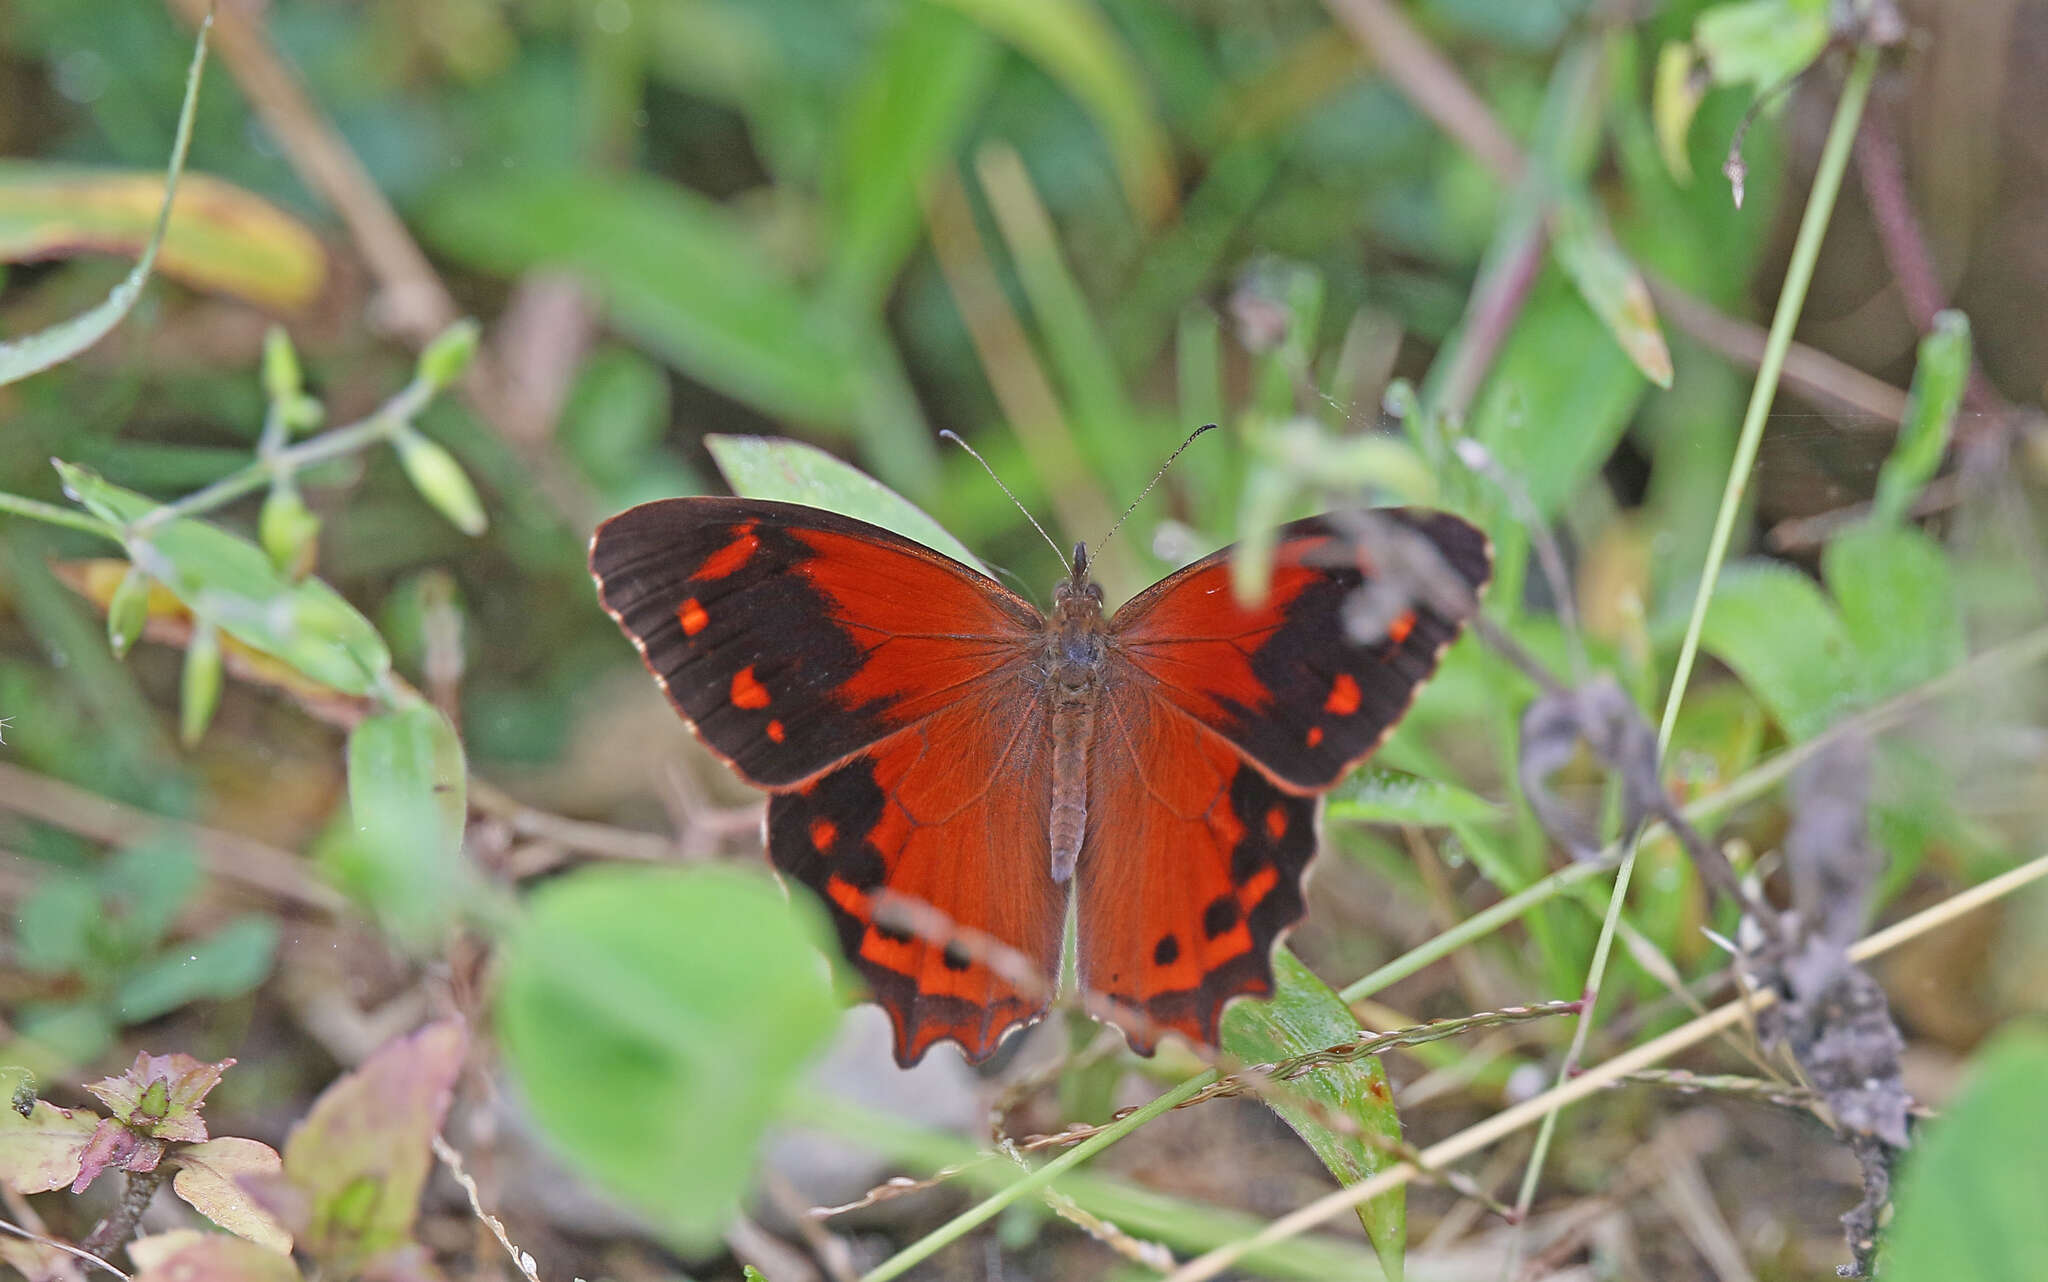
x=381 y=807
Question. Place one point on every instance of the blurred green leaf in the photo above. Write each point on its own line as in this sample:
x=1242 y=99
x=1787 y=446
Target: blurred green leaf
x=60 y=342
x=1898 y=603
x=232 y=583
x=1675 y=98
x=612 y=428
x=225 y=964
x=1970 y=1196
x=1783 y=638
x=199 y=688
x=676 y=271
x=920 y=90
x=1304 y=1015
x=146 y=885
x=655 y=1019
x=1373 y=795
x=766 y=467
x=406 y=796
x=1761 y=43
x=41 y=1146
x=1077 y=47
x=54 y=927
x=362 y=1155
x=1558 y=398
x=1610 y=284
x=1939 y=379
x=440 y=479
x=221 y=237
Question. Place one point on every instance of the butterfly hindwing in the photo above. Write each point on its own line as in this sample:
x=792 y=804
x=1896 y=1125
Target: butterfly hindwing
x=878 y=690
x=1191 y=869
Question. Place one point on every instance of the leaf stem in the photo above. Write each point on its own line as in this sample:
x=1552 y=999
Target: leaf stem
x=120 y=1223
x=51 y=514
x=1813 y=225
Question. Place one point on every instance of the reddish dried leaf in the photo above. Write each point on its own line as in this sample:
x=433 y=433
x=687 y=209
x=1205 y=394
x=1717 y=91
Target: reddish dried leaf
x=115 y=1147
x=160 y=1095
x=210 y=1177
x=363 y=1153
x=216 y=1257
x=40 y=1149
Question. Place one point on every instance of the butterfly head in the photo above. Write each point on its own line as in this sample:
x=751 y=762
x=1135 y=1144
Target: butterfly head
x=1078 y=594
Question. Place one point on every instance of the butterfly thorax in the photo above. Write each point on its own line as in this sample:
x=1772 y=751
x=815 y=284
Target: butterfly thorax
x=1073 y=667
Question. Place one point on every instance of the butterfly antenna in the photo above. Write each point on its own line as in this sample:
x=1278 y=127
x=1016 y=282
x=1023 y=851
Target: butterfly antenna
x=951 y=435
x=1206 y=427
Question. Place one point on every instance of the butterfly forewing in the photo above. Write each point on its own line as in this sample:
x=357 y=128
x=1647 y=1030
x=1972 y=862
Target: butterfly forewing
x=881 y=691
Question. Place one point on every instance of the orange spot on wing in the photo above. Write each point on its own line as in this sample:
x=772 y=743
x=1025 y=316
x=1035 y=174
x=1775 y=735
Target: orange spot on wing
x=732 y=556
x=823 y=833
x=1315 y=735
x=1344 y=696
x=1403 y=624
x=746 y=691
x=1276 y=823
x=1254 y=891
x=692 y=615
x=776 y=733
x=847 y=896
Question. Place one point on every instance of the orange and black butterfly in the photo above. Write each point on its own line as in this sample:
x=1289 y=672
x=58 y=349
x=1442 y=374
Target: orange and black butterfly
x=930 y=739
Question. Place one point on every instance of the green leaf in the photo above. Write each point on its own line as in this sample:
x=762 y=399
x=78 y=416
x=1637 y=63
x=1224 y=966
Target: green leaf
x=406 y=796
x=60 y=342
x=362 y=1155
x=440 y=480
x=1761 y=43
x=228 y=963
x=676 y=272
x=232 y=583
x=1783 y=638
x=209 y=1179
x=768 y=467
x=655 y=1018
x=54 y=931
x=199 y=688
x=1610 y=284
x=40 y=1148
x=1381 y=796
x=1076 y=46
x=1939 y=379
x=1304 y=1015
x=1898 y=603
x=1969 y=1199
x=145 y=886
x=920 y=91
x=1558 y=398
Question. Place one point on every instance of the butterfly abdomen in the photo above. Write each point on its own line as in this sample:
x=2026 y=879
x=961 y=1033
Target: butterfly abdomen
x=1073 y=667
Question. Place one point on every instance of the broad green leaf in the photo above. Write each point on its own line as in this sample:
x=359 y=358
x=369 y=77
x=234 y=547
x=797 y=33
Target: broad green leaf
x=655 y=1017
x=228 y=963
x=1076 y=46
x=1384 y=797
x=1610 y=284
x=676 y=272
x=407 y=798
x=920 y=91
x=62 y=341
x=1898 y=605
x=362 y=1155
x=1558 y=398
x=768 y=467
x=232 y=583
x=612 y=429
x=1783 y=638
x=210 y=1176
x=1970 y=1196
x=40 y=1144
x=1304 y=1015
x=1761 y=43
x=221 y=238
x=1939 y=378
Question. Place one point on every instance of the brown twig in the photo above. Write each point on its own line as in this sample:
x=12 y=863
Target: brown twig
x=119 y=1226
x=571 y=834
x=1431 y=82
x=1864 y=401
x=229 y=856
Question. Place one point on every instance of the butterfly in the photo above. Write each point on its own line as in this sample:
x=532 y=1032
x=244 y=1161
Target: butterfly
x=947 y=767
